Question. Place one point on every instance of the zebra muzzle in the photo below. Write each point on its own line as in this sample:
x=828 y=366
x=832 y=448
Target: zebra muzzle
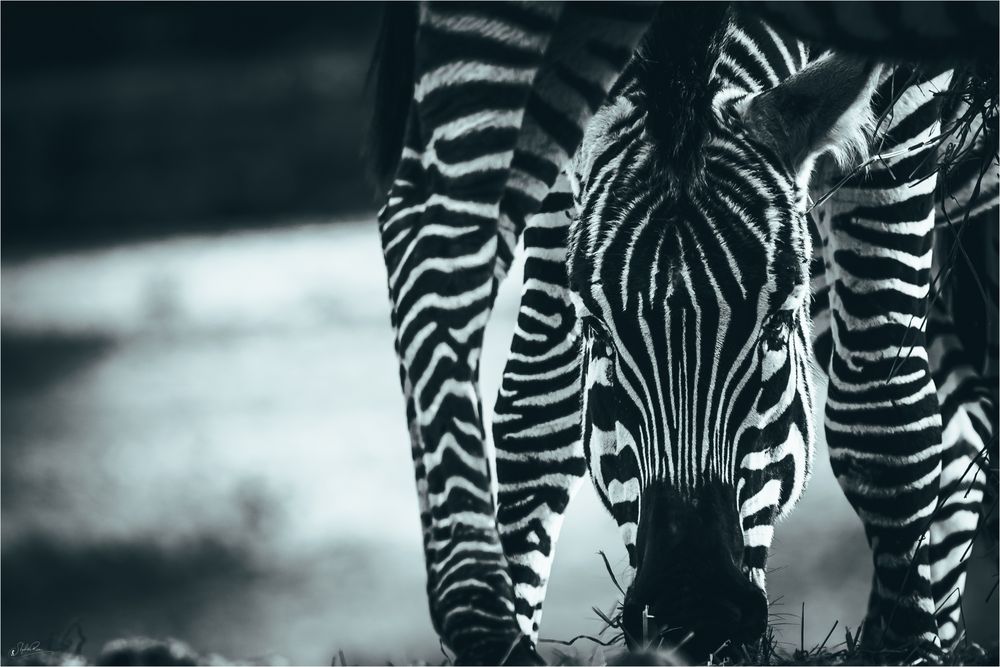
x=690 y=589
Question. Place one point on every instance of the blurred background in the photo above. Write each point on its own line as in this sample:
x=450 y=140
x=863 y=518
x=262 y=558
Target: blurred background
x=202 y=430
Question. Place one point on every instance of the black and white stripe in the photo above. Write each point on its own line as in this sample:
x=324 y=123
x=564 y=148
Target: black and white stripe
x=910 y=482
x=693 y=295
x=895 y=451
x=501 y=96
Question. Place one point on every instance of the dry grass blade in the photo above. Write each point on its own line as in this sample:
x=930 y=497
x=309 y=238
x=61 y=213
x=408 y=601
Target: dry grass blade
x=802 y=629
x=604 y=617
x=448 y=659
x=852 y=642
x=992 y=591
x=570 y=642
x=820 y=648
x=611 y=573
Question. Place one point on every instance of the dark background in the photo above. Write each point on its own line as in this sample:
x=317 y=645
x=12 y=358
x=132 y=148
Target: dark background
x=127 y=120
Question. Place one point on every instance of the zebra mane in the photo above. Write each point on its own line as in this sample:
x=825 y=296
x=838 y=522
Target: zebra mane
x=674 y=67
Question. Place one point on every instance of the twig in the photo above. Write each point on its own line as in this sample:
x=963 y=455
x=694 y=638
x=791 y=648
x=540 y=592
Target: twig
x=827 y=638
x=570 y=642
x=802 y=629
x=607 y=565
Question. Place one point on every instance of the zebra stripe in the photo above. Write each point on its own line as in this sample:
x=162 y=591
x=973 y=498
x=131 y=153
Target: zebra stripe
x=885 y=414
x=502 y=94
x=731 y=400
x=874 y=241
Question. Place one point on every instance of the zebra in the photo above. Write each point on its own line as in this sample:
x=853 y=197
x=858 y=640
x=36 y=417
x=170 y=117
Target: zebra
x=696 y=358
x=501 y=95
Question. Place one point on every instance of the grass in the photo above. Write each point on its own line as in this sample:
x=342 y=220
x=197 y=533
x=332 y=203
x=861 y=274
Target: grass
x=768 y=650
x=607 y=648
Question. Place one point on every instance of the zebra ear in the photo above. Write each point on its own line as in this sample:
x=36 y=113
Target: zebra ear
x=826 y=107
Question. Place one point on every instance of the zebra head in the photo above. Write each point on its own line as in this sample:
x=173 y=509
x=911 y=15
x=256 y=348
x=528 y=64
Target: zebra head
x=690 y=276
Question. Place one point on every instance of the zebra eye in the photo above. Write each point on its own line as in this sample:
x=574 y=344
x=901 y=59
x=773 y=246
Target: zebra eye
x=730 y=118
x=595 y=331
x=777 y=330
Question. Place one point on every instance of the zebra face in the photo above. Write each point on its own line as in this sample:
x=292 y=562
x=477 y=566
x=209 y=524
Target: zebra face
x=693 y=303
x=691 y=287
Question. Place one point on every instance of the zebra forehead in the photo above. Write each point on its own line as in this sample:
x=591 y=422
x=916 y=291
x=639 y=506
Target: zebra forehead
x=780 y=263
x=683 y=262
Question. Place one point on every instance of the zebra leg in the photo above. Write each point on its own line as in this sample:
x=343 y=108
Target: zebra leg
x=883 y=422
x=536 y=429
x=822 y=335
x=593 y=44
x=968 y=407
x=968 y=415
x=965 y=376
x=536 y=425
x=884 y=431
x=439 y=238
x=439 y=331
x=481 y=161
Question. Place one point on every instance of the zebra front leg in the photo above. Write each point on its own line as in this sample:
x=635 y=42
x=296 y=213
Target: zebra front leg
x=966 y=395
x=540 y=459
x=439 y=335
x=536 y=425
x=472 y=72
x=441 y=253
x=960 y=503
x=442 y=285
x=884 y=435
x=883 y=423
x=958 y=345
x=883 y=420
x=447 y=237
